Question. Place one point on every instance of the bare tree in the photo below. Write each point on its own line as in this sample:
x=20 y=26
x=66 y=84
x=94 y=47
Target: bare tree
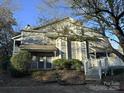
x=6 y=30
x=109 y=16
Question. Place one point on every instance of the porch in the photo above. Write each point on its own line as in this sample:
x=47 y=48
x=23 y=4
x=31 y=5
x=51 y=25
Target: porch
x=42 y=56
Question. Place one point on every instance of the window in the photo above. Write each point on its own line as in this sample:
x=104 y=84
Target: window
x=41 y=62
x=48 y=62
x=34 y=62
x=63 y=48
x=33 y=58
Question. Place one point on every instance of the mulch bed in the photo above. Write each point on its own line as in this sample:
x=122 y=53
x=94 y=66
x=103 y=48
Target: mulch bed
x=71 y=77
x=64 y=77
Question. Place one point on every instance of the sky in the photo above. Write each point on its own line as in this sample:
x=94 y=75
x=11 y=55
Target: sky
x=31 y=10
x=28 y=12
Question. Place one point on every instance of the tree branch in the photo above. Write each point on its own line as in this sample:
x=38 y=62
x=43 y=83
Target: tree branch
x=121 y=15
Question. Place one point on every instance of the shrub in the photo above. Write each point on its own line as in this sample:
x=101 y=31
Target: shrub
x=17 y=73
x=116 y=71
x=76 y=64
x=59 y=63
x=65 y=64
x=4 y=62
x=20 y=62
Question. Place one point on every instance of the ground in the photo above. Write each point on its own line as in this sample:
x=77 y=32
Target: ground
x=52 y=88
x=30 y=85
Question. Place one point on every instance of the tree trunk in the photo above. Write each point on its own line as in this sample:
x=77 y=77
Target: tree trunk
x=120 y=55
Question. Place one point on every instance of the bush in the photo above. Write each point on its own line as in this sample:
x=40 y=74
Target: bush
x=65 y=64
x=4 y=62
x=116 y=71
x=17 y=73
x=76 y=64
x=59 y=63
x=4 y=58
x=20 y=62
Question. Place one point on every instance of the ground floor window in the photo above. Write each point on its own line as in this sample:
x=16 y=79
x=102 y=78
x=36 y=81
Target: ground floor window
x=48 y=62
x=41 y=62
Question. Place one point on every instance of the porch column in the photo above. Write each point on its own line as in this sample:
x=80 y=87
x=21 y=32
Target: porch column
x=37 y=62
x=54 y=53
x=85 y=66
x=106 y=54
x=45 y=63
x=100 y=72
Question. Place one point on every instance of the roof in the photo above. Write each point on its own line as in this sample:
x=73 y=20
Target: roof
x=53 y=22
x=38 y=48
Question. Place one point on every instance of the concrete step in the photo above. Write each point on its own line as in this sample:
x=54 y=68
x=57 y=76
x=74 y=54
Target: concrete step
x=92 y=81
x=92 y=77
x=93 y=72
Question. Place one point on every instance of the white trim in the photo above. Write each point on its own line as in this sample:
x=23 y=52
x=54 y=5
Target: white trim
x=16 y=36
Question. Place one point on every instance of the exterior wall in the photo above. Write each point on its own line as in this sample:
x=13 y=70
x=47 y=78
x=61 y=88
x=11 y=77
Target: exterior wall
x=76 y=50
x=61 y=44
x=31 y=37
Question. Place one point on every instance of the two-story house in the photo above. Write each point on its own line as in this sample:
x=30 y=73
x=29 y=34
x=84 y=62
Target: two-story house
x=52 y=41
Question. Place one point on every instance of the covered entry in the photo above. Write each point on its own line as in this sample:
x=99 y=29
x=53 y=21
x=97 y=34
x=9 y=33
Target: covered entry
x=41 y=55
